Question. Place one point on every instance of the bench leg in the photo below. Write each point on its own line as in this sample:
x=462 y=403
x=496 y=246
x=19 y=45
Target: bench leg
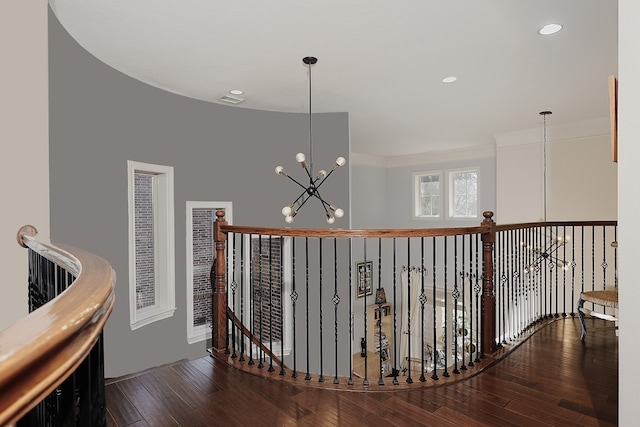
x=581 y=316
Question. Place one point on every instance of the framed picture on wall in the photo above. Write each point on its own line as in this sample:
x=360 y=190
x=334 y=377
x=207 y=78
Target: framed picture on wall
x=364 y=283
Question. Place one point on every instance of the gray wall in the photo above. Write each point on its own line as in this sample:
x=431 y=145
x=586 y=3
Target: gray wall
x=100 y=118
x=369 y=196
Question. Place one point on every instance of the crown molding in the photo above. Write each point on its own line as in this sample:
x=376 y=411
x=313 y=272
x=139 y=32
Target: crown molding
x=445 y=156
x=360 y=159
x=583 y=129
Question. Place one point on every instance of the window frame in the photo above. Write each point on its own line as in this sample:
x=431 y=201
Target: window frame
x=164 y=244
x=451 y=192
x=417 y=195
x=202 y=332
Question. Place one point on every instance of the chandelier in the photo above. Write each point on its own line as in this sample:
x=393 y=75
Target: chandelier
x=552 y=243
x=315 y=181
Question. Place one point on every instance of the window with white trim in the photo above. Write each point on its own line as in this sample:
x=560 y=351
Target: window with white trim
x=463 y=193
x=200 y=256
x=151 y=243
x=426 y=195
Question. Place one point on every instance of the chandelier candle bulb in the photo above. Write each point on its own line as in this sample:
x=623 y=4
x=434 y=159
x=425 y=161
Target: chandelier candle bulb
x=280 y=171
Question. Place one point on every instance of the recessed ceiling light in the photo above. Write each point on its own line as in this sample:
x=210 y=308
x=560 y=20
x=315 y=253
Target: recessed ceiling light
x=550 y=29
x=449 y=79
x=236 y=92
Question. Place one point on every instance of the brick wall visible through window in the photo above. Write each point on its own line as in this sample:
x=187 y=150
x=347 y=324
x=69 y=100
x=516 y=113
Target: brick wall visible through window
x=145 y=259
x=267 y=288
x=202 y=220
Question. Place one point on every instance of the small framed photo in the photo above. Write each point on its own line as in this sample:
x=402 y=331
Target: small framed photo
x=364 y=283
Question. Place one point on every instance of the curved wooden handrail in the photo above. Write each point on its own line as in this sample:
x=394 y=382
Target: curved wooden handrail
x=42 y=349
x=506 y=227
x=340 y=233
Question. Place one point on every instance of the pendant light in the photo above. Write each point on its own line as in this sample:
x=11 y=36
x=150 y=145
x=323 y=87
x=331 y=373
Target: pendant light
x=315 y=181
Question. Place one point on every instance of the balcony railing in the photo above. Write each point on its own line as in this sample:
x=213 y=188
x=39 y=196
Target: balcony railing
x=51 y=361
x=395 y=307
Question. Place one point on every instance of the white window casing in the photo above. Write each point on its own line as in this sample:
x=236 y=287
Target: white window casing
x=427 y=195
x=197 y=333
x=163 y=244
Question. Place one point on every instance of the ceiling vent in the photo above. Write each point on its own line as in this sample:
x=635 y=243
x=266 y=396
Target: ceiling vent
x=230 y=99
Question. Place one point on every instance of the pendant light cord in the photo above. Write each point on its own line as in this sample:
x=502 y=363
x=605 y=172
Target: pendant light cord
x=310 y=123
x=544 y=115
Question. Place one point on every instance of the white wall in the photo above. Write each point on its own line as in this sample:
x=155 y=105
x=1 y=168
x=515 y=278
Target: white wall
x=629 y=207
x=24 y=152
x=581 y=177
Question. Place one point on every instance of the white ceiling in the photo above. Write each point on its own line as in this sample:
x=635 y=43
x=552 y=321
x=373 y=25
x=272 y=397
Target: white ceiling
x=380 y=60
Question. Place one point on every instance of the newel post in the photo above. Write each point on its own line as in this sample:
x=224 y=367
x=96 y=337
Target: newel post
x=488 y=296
x=219 y=281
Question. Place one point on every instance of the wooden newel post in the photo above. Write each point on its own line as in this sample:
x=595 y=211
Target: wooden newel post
x=219 y=279
x=488 y=296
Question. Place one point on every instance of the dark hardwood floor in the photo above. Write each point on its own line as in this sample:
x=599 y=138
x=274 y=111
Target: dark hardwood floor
x=550 y=379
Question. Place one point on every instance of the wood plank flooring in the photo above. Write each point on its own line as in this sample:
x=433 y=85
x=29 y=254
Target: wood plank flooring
x=551 y=379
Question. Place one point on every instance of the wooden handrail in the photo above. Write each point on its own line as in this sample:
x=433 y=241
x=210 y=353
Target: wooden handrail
x=338 y=233
x=525 y=225
x=42 y=349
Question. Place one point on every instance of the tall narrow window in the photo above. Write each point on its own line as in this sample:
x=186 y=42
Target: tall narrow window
x=151 y=243
x=200 y=257
x=463 y=193
x=426 y=195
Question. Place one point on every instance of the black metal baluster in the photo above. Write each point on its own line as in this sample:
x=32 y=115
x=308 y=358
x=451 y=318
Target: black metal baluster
x=336 y=301
x=604 y=264
x=423 y=300
x=294 y=299
x=234 y=285
x=380 y=314
x=351 y=325
x=503 y=284
x=409 y=379
x=478 y=291
x=365 y=382
x=501 y=238
x=395 y=324
x=229 y=322
x=615 y=257
x=557 y=284
x=446 y=309
x=564 y=271
x=307 y=377
x=455 y=294
x=252 y=298
x=435 y=354
x=281 y=302
x=242 y=285
x=463 y=366
x=260 y=300
x=573 y=272
x=271 y=314
x=582 y=264
x=321 y=378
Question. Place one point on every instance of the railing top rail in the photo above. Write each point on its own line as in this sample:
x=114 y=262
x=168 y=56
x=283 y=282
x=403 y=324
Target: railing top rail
x=40 y=350
x=525 y=225
x=340 y=233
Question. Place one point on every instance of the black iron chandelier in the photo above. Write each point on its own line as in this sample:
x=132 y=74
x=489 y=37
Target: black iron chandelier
x=315 y=181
